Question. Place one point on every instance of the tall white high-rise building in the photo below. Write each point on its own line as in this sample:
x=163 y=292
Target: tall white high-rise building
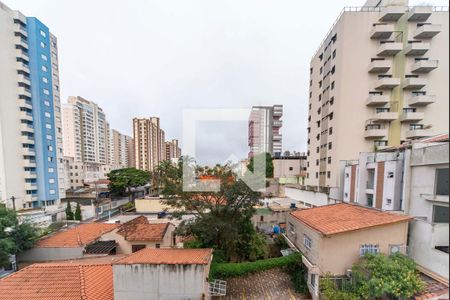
x=264 y=130
x=31 y=169
x=380 y=77
x=120 y=150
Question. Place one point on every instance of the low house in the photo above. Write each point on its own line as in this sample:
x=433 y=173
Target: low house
x=158 y=274
x=67 y=244
x=139 y=233
x=332 y=238
x=163 y=274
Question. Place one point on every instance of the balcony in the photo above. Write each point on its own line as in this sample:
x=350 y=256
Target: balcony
x=25 y=104
x=375 y=133
x=418 y=133
x=26 y=116
x=277 y=137
x=387 y=83
x=23 y=67
x=21 y=42
x=23 y=79
x=378 y=100
x=382 y=31
x=20 y=54
x=30 y=186
x=29 y=152
x=389 y=49
x=385 y=116
x=26 y=128
x=414 y=83
x=421 y=100
x=424 y=66
x=28 y=163
x=417 y=49
x=27 y=140
x=20 y=29
x=380 y=66
x=427 y=31
x=392 y=13
x=277 y=123
x=412 y=117
x=30 y=175
x=420 y=13
x=24 y=91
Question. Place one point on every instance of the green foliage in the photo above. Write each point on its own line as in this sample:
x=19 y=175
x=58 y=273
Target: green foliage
x=78 y=212
x=280 y=241
x=330 y=291
x=298 y=274
x=230 y=270
x=223 y=218
x=14 y=237
x=128 y=206
x=69 y=213
x=381 y=275
x=269 y=164
x=122 y=180
x=193 y=244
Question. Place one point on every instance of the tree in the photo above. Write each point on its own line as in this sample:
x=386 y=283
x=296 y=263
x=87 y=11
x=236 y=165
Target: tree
x=269 y=164
x=223 y=218
x=15 y=238
x=122 y=180
x=78 y=212
x=69 y=213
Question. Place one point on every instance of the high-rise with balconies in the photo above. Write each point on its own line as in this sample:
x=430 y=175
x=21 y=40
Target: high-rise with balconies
x=380 y=77
x=31 y=168
x=264 y=126
x=173 y=150
x=120 y=150
x=149 y=143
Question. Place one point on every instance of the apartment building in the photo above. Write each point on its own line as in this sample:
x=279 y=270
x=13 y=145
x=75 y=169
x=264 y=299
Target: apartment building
x=290 y=169
x=86 y=141
x=264 y=127
x=30 y=139
x=173 y=151
x=120 y=150
x=413 y=179
x=149 y=143
x=379 y=78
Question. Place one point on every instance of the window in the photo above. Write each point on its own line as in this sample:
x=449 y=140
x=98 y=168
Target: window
x=442 y=182
x=317 y=175
x=51 y=181
x=49 y=137
x=330 y=146
x=48 y=126
x=307 y=242
x=317 y=150
x=51 y=170
x=46 y=92
x=313 y=280
x=390 y=175
x=332 y=85
x=44 y=57
x=329 y=160
x=331 y=116
x=43 y=45
x=51 y=192
x=291 y=169
x=43 y=34
x=44 y=80
x=50 y=148
x=317 y=162
x=332 y=101
x=328 y=174
x=47 y=103
x=44 y=68
x=374 y=249
x=291 y=228
x=47 y=115
x=330 y=131
x=261 y=218
x=158 y=246
x=389 y=201
x=440 y=214
x=135 y=248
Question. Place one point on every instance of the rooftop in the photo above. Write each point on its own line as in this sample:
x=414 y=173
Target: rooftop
x=339 y=218
x=76 y=237
x=59 y=281
x=168 y=257
x=144 y=232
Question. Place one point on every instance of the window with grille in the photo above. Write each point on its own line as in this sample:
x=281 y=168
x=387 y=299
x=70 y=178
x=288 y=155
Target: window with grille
x=374 y=249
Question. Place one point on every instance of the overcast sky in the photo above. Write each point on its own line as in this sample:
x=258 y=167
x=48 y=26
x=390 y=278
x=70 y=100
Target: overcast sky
x=141 y=58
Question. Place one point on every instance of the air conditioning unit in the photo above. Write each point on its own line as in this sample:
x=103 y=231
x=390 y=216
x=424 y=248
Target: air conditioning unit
x=348 y=273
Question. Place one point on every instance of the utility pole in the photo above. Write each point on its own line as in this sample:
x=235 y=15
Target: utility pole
x=13 y=199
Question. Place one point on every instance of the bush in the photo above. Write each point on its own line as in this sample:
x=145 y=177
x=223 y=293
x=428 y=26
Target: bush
x=330 y=291
x=230 y=270
x=192 y=244
x=298 y=274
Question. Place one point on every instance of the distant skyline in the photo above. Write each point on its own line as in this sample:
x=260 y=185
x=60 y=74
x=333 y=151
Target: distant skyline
x=155 y=58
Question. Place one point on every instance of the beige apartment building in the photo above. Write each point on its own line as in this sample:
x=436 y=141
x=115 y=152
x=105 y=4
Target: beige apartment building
x=379 y=78
x=149 y=143
x=121 y=153
x=173 y=151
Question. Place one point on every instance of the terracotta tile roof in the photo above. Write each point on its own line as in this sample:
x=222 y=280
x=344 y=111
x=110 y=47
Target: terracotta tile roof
x=168 y=257
x=433 y=289
x=144 y=232
x=59 y=281
x=76 y=237
x=338 y=218
x=436 y=139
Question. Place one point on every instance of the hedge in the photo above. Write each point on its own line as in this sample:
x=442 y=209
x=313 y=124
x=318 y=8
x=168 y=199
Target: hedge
x=230 y=270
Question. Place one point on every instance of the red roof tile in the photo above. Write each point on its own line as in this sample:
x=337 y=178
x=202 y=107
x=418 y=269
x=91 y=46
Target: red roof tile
x=144 y=232
x=168 y=257
x=338 y=218
x=59 y=281
x=76 y=237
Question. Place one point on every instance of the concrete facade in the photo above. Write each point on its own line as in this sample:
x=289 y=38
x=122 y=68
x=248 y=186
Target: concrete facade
x=264 y=130
x=289 y=169
x=376 y=80
x=120 y=150
x=160 y=282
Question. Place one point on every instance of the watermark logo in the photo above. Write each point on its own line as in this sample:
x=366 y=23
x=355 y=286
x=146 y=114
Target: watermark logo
x=255 y=179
